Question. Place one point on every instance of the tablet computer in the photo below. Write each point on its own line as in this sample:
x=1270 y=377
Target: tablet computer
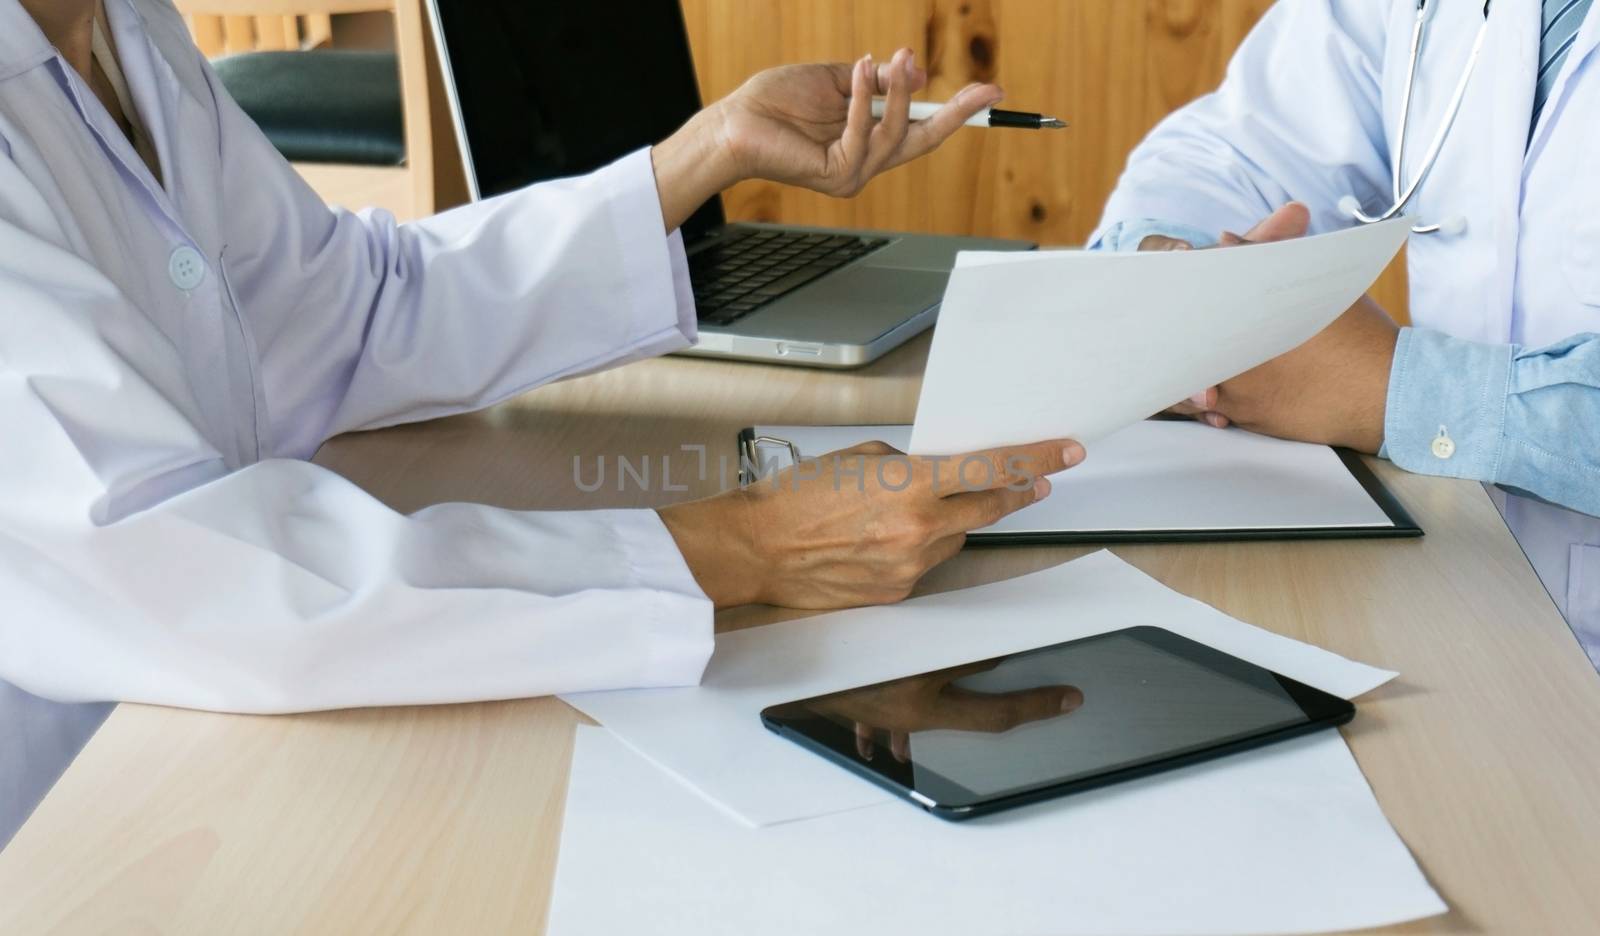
x=999 y=733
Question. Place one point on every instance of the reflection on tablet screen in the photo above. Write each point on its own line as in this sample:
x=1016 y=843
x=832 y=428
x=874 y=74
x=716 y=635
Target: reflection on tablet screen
x=1059 y=713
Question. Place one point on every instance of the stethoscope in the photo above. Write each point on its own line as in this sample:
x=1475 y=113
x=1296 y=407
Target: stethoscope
x=1403 y=194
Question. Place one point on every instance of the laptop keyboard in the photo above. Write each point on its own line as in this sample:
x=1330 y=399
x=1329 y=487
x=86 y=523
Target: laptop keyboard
x=749 y=268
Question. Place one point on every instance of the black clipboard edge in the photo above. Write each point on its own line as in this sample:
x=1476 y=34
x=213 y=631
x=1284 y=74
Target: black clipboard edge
x=1405 y=527
x=1382 y=496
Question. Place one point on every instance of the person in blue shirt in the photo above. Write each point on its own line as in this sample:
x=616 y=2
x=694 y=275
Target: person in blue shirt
x=1498 y=377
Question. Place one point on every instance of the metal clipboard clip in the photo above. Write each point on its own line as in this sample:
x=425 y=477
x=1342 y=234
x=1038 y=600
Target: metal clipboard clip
x=750 y=463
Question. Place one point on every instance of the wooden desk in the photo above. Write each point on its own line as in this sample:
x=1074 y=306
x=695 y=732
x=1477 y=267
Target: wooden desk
x=1485 y=754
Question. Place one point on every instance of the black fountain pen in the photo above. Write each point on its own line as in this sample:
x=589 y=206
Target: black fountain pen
x=988 y=117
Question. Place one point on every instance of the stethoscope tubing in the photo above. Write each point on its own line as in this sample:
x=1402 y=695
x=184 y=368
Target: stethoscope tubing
x=1403 y=194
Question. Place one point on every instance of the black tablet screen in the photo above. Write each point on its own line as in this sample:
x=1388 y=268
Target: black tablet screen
x=1054 y=715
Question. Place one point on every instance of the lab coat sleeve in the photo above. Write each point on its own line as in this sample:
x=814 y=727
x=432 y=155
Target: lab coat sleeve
x=361 y=322
x=134 y=566
x=1527 y=419
x=1298 y=118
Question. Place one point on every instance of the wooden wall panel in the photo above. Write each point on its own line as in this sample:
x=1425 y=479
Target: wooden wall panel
x=1114 y=68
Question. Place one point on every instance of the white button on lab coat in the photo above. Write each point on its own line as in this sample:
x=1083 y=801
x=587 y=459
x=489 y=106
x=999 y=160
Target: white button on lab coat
x=1310 y=112
x=187 y=268
x=170 y=354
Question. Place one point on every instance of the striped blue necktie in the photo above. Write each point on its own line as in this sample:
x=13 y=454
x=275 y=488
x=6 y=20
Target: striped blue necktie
x=1562 y=19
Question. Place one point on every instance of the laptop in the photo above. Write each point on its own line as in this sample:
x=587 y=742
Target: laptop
x=545 y=90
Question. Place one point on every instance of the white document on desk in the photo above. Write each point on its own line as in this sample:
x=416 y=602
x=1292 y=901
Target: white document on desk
x=1077 y=344
x=711 y=736
x=1158 y=475
x=1285 y=839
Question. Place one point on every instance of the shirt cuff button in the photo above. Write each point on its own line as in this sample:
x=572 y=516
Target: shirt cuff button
x=1443 y=445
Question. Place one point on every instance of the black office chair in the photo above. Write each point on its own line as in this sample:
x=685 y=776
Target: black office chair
x=354 y=123
x=331 y=106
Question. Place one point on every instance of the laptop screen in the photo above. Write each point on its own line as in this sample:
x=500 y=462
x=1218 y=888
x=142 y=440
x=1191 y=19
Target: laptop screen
x=548 y=90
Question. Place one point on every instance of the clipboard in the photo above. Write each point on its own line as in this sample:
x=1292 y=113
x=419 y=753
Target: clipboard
x=1269 y=472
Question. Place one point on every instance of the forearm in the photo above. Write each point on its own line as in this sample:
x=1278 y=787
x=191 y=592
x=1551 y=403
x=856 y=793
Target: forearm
x=718 y=544
x=1525 y=419
x=692 y=166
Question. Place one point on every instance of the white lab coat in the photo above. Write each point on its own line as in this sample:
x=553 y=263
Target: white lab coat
x=170 y=356
x=1310 y=111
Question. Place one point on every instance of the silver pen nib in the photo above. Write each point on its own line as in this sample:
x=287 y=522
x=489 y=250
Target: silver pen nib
x=1052 y=123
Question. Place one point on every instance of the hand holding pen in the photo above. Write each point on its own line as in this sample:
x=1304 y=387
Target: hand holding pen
x=817 y=127
x=812 y=126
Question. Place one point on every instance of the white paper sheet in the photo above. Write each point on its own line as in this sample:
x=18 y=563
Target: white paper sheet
x=1078 y=344
x=1287 y=839
x=1159 y=476
x=711 y=736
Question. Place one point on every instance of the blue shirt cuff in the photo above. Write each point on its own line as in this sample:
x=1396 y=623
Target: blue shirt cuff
x=1447 y=405
x=1126 y=236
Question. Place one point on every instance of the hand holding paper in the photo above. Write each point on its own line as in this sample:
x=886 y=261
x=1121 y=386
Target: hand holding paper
x=1080 y=344
x=859 y=526
x=1288 y=222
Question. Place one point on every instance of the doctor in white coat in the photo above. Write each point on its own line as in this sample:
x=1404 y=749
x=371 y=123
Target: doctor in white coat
x=183 y=322
x=1498 y=379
